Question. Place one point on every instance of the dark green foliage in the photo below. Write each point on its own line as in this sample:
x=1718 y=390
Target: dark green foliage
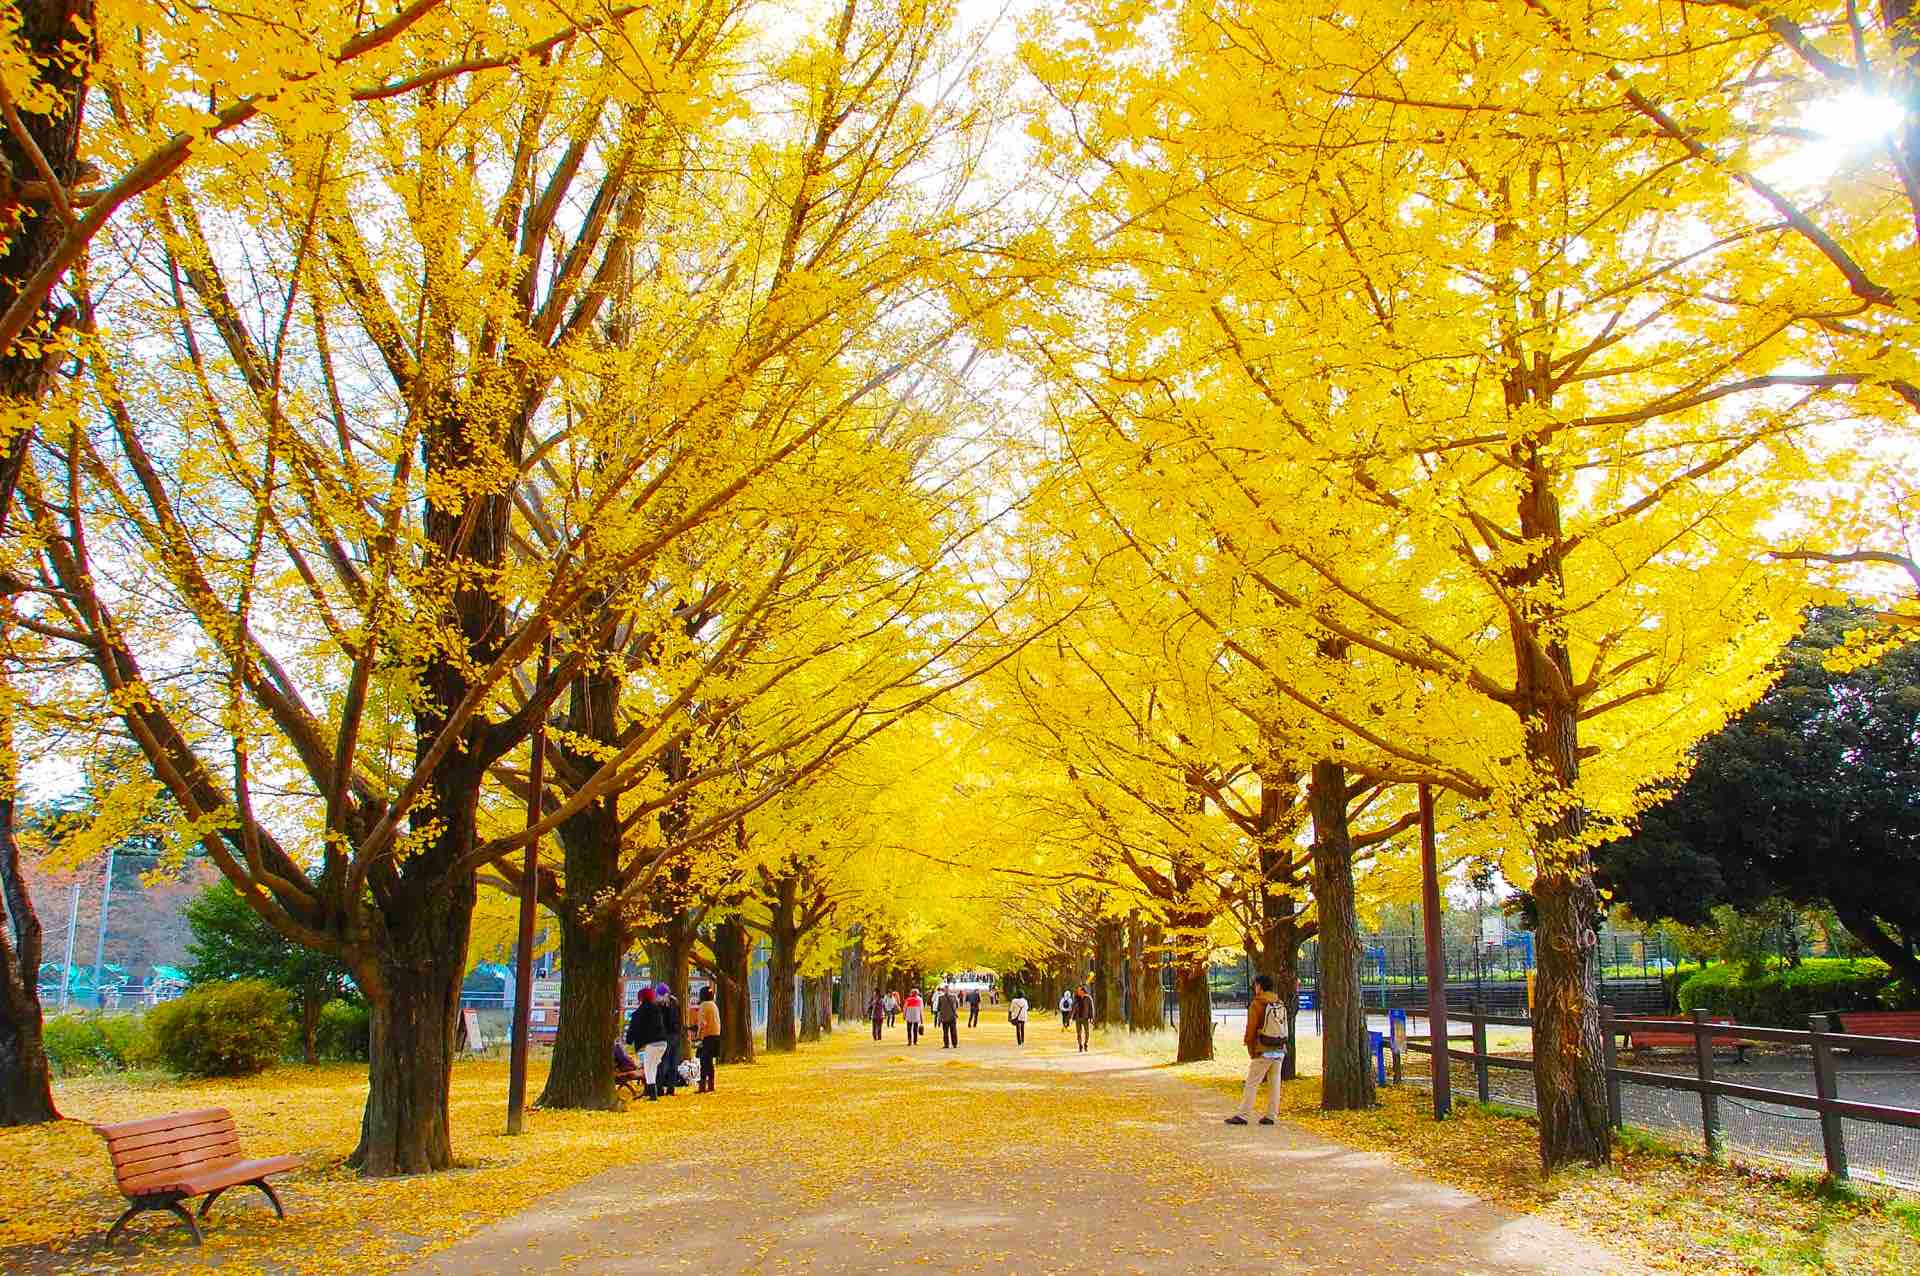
x=1784 y=997
x=231 y=941
x=344 y=1032
x=222 y=1030
x=1810 y=795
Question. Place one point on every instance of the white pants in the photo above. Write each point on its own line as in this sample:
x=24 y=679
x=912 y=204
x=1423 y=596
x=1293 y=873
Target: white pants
x=650 y=1056
x=1261 y=1068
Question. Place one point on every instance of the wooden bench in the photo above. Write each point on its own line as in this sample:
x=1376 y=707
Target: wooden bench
x=1880 y=1023
x=164 y=1160
x=1682 y=1036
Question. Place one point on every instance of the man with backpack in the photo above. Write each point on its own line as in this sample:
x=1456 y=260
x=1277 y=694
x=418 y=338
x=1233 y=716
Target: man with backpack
x=1266 y=1039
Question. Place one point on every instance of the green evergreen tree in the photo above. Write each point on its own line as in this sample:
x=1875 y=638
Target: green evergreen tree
x=232 y=942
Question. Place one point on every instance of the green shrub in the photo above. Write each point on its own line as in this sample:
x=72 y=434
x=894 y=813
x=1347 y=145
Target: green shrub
x=1784 y=996
x=130 y=1040
x=75 y=1044
x=222 y=1030
x=78 y=1042
x=345 y=1032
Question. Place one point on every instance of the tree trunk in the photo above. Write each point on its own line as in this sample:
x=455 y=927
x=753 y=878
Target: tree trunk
x=1346 y=1079
x=1571 y=1095
x=593 y=937
x=310 y=1007
x=812 y=1022
x=1108 y=1008
x=853 y=990
x=1196 y=1010
x=1275 y=951
x=670 y=954
x=1887 y=947
x=733 y=961
x=1146 y=1008
x=783 y=964
x=58 y=36
x=26 y=1082
x=1569 y=1073
x=415 y=1009
x=591 y=951
x=824 y=990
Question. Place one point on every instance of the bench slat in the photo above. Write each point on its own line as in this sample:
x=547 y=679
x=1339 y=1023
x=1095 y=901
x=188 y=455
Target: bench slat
x=148 y=1124
x=185 y=1152
x=160 y=1138
x=194 y=1180
x=1881 y=1023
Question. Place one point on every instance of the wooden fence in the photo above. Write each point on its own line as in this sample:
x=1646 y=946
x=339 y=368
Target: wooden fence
x=1833 y=1110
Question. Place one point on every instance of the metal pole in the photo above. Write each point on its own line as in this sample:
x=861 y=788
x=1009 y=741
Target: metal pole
x=73 y=922
x=1436 y=961
x=100 y=941
x=529 y=899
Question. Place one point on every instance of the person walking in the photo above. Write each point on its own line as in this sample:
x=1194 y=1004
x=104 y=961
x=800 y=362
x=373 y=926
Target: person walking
x=877 y=1011
x=1082 y=1018
x=1266 y=1040
x=947 y=1011
x=1017 y=1016
x=914 y=1012
x=672 y=1024
x=893 y=1007
x=709 y=1025
x=646 y=1033
x=973 y=1007
x=1066 y=1009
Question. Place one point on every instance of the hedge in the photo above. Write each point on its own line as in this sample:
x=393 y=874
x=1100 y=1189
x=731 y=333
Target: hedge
x=78 y=1043
x=1784 y=997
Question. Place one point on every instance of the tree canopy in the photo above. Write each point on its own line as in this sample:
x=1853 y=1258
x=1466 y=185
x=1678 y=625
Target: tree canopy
x=941 y=490
x=1809 y=795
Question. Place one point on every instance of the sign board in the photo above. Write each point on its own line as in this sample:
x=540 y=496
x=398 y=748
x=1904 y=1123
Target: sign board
x=471 y=1040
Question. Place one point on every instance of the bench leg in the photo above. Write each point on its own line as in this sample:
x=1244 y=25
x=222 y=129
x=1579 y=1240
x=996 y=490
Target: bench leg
x=146 y=1203
x=193 y=1229
x=273 y=1196
x=206 y=1202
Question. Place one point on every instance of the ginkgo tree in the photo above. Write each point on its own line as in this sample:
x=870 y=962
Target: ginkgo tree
x=1437 y=359
x=103 y=103
x=377 y=338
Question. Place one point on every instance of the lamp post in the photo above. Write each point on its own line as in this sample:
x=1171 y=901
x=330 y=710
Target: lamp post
x=529 y=900
x=1436 y=961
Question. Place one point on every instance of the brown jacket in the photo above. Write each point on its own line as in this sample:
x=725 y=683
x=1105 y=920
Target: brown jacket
x=709 y=1020
x=1256 y=1012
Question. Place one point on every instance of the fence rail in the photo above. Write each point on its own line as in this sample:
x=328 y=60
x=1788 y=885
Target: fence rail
x=1824 y=1045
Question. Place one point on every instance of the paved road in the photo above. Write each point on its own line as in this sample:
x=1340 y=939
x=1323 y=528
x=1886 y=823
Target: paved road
x=988 y=1160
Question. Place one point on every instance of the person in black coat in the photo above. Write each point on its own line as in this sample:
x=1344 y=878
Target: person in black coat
x=672 y=1025
x=646 y=1032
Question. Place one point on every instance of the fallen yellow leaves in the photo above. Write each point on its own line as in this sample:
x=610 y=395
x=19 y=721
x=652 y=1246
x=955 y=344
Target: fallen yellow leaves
x=57 y=1191
x=875 y=1142
x=1669 y=1211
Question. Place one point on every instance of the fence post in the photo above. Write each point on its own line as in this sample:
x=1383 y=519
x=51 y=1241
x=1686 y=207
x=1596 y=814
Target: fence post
x=1610 y=1057
x=1703 y=1069
x=1826 y=1086
x=1480 y=1053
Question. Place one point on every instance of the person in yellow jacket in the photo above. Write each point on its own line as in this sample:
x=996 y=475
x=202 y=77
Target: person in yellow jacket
x=1266 y=1039
x=708 y=1031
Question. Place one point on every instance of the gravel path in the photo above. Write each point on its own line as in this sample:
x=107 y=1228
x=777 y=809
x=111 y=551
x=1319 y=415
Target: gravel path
x=989 y=1159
